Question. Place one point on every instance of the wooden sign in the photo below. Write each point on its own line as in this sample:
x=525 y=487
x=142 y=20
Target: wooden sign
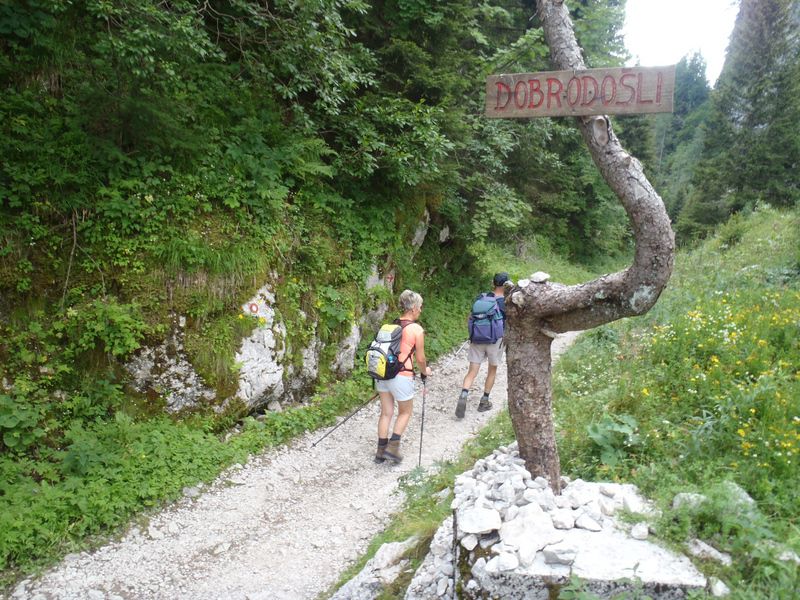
x=619 y=91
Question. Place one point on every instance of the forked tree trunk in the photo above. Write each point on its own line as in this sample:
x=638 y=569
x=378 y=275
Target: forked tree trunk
x=537 y=311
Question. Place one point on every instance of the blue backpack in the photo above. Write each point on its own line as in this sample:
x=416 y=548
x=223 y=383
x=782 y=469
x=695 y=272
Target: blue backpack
x=486 y=320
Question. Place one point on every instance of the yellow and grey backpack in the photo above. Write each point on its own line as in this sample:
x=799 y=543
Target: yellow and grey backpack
x=383 y=355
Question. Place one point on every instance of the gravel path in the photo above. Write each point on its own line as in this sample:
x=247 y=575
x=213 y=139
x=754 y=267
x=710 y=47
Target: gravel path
x=284 y=526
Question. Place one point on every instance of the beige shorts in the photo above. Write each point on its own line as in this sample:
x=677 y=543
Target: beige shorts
x=480 y=352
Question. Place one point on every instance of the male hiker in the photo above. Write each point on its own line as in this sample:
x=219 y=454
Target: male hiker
x=486 y=325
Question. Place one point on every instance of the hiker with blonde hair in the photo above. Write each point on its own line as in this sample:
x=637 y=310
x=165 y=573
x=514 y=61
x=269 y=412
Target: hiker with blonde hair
x=400 y=387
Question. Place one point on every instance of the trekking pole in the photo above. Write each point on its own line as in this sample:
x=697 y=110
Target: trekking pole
x=422 y=424
x=343 y=421
x=453 y=357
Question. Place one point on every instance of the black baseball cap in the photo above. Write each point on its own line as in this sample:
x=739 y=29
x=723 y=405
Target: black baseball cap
x=500 y=279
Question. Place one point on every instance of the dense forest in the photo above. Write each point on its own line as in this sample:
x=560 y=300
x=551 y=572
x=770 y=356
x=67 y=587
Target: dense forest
x=165 y=160
x=170 y=159
x=729 y=149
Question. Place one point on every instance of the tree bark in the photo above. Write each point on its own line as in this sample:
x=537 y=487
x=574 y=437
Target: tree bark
x=530 y=400
x=538 y=310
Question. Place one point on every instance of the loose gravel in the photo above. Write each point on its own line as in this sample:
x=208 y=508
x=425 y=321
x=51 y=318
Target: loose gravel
x=285 y=525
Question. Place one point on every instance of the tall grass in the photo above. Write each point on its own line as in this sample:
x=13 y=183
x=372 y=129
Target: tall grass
x=704 y=390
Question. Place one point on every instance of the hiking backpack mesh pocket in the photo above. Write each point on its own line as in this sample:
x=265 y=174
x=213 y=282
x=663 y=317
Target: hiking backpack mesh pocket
x=383 y=355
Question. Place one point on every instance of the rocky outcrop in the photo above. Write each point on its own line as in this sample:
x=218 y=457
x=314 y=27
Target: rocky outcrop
x=261 y=354
x=512 y=537
x=373 y=318
x=421 y=232
x=165 y=370
x=266 y=374
x=345 y=357
x=381 y=570
x=302 y=377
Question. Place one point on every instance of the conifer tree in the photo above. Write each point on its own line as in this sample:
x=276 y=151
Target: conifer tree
x=752 y=148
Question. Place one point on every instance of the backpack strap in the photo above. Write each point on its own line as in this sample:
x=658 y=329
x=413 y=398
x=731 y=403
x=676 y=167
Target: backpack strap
x=403 y=324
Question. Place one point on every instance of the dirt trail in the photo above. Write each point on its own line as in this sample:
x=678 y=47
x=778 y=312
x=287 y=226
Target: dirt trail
x=284 y=526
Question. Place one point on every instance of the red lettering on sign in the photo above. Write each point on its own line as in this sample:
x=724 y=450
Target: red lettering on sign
x=615 y=90
x=504 y=88
x=589 y=99
x=628 y=87
x=577 y=92
x=606 y=98
x=554 y=89
x=535 y=87
x=639 y=98
x=517 y=101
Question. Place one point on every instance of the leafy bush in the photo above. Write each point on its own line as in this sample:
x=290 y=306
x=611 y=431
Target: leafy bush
x=613 y=436
x=19 y=425
x=105 y=325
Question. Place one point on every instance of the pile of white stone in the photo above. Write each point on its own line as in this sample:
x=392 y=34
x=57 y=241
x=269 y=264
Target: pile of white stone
x=514 y=538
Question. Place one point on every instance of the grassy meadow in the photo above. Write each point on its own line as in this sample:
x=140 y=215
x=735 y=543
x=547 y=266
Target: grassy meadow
x=702 y=391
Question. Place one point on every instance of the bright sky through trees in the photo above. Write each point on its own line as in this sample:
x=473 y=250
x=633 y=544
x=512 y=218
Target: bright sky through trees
x=661 y=32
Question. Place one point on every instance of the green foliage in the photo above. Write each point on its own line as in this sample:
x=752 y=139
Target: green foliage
x=335 y=308
x=19 y=425
x=499 y=210
x=164 y=159
x=691 y=92
x=614 y=435
x=106 y=325
x=106 y=471
x=679 y=137
x=707 y=387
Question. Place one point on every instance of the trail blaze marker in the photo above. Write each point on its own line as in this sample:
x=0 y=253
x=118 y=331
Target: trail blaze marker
x=633 y=90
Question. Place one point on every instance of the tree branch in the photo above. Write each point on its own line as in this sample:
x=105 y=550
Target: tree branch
x=634 y=290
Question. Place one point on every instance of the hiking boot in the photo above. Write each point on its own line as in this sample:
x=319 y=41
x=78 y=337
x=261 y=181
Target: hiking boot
x=392 y=451
x=379 y=457
x=461 y=406
x=484 y=404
